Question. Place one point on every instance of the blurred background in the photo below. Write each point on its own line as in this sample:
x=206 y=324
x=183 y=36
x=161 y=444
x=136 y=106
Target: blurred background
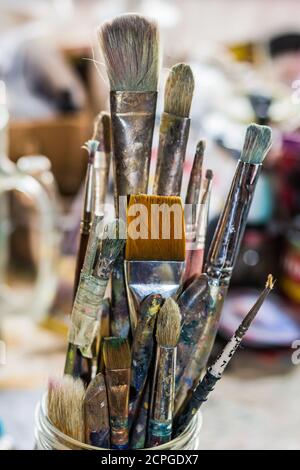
x=246 y=61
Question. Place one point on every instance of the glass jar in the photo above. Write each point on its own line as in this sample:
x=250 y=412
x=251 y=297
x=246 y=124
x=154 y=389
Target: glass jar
x=22 y=200
x=47 y=437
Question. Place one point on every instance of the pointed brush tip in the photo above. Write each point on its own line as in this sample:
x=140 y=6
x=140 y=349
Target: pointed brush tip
x=270 y=282
x=201 y=146
x=209 y=174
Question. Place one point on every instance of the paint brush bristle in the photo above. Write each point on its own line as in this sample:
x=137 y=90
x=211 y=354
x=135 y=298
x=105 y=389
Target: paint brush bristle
x=179 y=90
x=130 y=46
x=116 y=353
x=270 y=282
x=168 y=324
x=65 y=406
x=155 y=226
x=257 y=143
x=209 y=174
x=194 y=185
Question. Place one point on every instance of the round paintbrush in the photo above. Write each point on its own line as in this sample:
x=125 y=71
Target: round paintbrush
x=174 y=131
x=163 y=389
x=130 y=47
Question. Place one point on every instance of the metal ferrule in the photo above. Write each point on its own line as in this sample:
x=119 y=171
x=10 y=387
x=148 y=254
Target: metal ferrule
x=162 y=399
x=133 y=118
x=225 y=245
x=101 y=176
x=173 y=138
x=146 y=277
x=88 y=201
x=118 y=384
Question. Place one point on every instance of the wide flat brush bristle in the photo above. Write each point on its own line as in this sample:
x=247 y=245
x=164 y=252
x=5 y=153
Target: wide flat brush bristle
x=179 y=90
x=168 y=324
x=155 y=228
x=116 y=353
x=257 y=143
x=130 y=46
x=65 y=406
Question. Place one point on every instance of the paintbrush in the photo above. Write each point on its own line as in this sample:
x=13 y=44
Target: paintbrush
x=130 y=47
x=102 y=133
x=163 y=388
x=215 y=372
x=101 y=254
x=65 y=406
x=117 y=360
x=174 y=131
x=77 y=365
x=197 y=235
x=142 y=350
x=228 y=235
x=193 y=190
x=193 y=304
x=155 y=248
x=104 y=330
x=120 y=318
x=96 y=419
x=138 y=433
x=89 y=189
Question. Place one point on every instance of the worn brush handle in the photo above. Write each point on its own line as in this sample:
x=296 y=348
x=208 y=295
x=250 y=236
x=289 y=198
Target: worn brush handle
x=83 y=242
x=138 y=435
x=194 y=264
x=85 y=312
x=194 y=403
x=120 y=317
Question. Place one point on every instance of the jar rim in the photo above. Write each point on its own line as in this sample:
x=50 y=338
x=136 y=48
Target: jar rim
x=42 y=408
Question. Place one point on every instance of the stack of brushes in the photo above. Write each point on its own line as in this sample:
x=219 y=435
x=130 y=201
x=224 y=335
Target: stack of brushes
x=146 y=303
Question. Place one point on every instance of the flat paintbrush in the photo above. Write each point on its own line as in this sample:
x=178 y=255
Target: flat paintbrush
x=163 y=388
x=174 y=131
x=130 y=47
x=96 y=418
x=117 y=360
x=65 y=406
x=225 y=245
x=102 y=133
x=155 y=248
x=215 y=372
